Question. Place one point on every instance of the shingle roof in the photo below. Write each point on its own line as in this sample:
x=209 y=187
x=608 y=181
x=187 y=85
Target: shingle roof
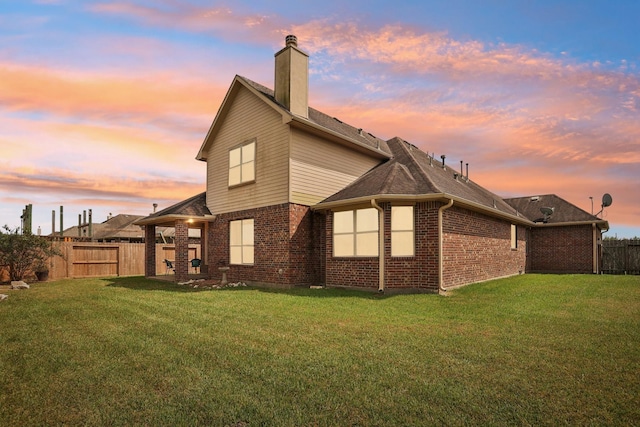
x=119 y=226
x=331 y=123
x=413 y=172
x=194 y=207
x=563 y=211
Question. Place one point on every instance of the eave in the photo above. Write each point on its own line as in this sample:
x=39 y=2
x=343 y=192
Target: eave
x=435 y=197
x=169 y=220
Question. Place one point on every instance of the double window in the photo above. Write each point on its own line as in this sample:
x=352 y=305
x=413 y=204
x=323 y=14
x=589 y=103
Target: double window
x=241 y=242
x=242 y=163
x=355 y=233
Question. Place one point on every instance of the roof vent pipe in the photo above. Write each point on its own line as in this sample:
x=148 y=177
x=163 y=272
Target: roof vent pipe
x=443 y=157
x=467 y=171
x=461 y=175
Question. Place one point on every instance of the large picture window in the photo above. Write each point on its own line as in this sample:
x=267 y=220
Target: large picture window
x=355 y=233
x=242 y=164
x=241 y=242
x=402 y=234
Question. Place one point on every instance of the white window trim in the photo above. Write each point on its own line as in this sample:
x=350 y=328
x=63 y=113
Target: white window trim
x=242 y=163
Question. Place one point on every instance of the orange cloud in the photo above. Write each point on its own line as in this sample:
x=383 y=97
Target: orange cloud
x=28 y=88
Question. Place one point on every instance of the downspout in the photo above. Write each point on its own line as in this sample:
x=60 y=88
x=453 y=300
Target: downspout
x=440 y=245
x=380 y=245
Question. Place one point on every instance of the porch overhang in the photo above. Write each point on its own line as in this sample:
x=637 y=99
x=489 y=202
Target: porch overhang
x=170 y=220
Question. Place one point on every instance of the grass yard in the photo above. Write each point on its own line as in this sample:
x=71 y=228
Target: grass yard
x=528 y=350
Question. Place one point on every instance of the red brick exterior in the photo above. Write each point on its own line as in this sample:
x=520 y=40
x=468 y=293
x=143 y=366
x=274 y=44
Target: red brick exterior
x=562 y=249
x=476 y=248
x=150 y=250
x=182 y=250
x=284 y=246
x=294 y=246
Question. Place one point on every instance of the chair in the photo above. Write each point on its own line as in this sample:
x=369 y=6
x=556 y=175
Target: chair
x=195 y=264
x=170 y=266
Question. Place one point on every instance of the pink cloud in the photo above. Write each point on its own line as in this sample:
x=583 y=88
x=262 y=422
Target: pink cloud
x=223 y=21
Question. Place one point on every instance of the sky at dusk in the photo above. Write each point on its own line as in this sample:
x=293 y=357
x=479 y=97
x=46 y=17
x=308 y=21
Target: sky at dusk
x=104 y=104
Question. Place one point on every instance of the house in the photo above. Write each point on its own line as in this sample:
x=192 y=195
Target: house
x=120 y=228
x=297 y=197
x=566 y=239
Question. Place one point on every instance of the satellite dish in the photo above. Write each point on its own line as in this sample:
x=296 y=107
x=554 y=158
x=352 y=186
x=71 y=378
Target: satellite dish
x=547 y=211
x=606 y=200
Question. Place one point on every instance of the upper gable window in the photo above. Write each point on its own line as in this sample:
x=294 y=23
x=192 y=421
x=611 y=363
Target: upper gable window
x=355 y=233
x=242 y=163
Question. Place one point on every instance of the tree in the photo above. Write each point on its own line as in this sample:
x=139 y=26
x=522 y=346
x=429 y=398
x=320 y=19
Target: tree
x=24 y=253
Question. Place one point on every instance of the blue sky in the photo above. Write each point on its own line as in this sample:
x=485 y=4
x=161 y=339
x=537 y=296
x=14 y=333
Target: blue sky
x=104 y=104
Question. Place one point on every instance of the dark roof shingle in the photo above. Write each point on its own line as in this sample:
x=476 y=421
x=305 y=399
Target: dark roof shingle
x=413 y=172
x=563 y=211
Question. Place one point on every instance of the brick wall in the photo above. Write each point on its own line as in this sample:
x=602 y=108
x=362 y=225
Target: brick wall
x=284 y=246
x=182 y=250
x=478 y=247
x=150 y=251
x=417 y=272
x=567 y=249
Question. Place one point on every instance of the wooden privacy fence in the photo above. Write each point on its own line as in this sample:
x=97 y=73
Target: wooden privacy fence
x=621 y=256
x=109 y=259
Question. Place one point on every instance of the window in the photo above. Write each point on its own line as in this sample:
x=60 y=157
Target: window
x=402 y=236
x=241 y=242
x=242 y=164
x=514 y=236
x=355 y=233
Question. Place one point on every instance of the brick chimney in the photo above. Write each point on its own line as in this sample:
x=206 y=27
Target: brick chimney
x=291 y=85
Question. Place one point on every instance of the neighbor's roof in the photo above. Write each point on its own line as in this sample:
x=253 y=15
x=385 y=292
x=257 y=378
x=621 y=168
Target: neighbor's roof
x=120 y=226
x=317 y=121
x=563 y=211
x=413 y=173
x=194 y=208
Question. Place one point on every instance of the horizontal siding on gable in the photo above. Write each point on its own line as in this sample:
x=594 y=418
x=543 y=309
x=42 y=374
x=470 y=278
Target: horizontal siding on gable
x=320 y=168
x=249 y=117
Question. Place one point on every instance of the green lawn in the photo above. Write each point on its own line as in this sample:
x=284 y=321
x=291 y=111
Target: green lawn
x=529 y=350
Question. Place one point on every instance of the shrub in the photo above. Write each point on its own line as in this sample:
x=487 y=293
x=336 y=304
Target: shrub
x=22 y=253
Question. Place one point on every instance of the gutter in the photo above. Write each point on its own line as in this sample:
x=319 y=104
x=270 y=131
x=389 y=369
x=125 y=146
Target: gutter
x=438 y=197
x=442 y=208
x=381 y=254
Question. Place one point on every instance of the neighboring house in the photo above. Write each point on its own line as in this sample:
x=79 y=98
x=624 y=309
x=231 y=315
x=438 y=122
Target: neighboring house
x=120 y=228
x=297 y=197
